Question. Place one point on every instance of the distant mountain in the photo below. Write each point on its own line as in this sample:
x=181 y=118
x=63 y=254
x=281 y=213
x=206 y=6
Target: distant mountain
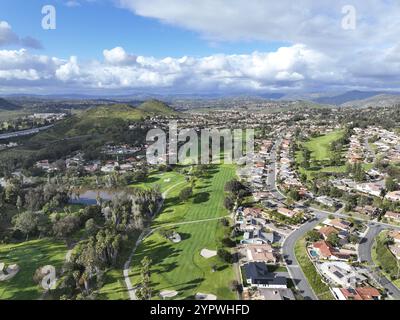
x=382 y=100
x=7 y=105
x=349 y=96
x=156 y=107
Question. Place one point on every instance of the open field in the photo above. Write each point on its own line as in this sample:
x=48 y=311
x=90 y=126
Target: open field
x=179 y=266
x=314 y=279
x=29 y=256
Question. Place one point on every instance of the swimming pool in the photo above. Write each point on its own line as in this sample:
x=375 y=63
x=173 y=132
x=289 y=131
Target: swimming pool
x=314 y=254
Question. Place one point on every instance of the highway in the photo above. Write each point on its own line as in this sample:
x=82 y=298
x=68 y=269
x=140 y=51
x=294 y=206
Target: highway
x=22 y=133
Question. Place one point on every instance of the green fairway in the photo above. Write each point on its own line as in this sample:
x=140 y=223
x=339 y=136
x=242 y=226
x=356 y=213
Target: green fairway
x=320 y=146
x=29 y=256
x=321 y=155
x=180 y=266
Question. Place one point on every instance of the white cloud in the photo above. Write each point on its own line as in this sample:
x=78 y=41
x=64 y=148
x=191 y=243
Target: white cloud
x=317 y=24
x=288 y=68
x=118 y=56
x=69 y=71
x=9 y=37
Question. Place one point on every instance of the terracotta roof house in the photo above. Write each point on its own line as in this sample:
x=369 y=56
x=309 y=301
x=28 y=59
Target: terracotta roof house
x=326 y=231
x=364 y=293
x=326 y=251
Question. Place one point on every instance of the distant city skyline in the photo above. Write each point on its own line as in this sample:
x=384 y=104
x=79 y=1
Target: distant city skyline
x=199 y=47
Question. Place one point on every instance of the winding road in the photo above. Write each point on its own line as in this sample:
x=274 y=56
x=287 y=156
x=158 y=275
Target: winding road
x=365 y=255
x=288 y=247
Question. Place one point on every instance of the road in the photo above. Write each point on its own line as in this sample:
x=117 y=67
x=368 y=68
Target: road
x=365 y=255
x=288 y=247
x=23 y=132
x=295 y=271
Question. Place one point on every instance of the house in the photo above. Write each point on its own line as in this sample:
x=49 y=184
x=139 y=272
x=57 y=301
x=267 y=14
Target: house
x=394 y=216
x=286 y=212
x=326 y=201
x=260 y=253
x=373 y=189
x=362 y=293
x=393 y=196
x=327 y=231
x=257 y=236
x=395 y=235
x=255 y=212
x=338 y=224
x=276 y=294
x=395 y=249
x=342 y=274
x=326 y=252
x=257 y=275
x=371 y=211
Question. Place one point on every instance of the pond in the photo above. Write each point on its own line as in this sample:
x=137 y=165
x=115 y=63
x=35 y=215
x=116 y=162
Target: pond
x=89 y=197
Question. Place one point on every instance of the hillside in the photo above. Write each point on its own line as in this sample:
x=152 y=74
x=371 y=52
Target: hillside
x=383 y=100
x=7 y=105
x=352 y=96
x=156 y=107
x=97 y=120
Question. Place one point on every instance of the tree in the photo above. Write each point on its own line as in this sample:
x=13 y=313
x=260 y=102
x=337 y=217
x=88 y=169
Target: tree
x=144 y=292
x=225 y=256
x=185 y=194
x=313 y=236
x=65 y=226
x=229 y=203
x=390 y=184
x=90 y=227
x=26 y=222
x=333 y=239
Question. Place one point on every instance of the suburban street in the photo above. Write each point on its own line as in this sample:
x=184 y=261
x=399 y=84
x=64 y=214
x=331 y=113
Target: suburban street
x=288 y=247
x=365 y=255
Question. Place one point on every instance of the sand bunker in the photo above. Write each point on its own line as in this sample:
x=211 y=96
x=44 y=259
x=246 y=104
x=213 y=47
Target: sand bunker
x=168 y=294
x=205 y=296
x=176 y=238
x=208 y=253
x=8 y=273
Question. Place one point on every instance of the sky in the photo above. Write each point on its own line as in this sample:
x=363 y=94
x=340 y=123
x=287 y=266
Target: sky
x=199 y=46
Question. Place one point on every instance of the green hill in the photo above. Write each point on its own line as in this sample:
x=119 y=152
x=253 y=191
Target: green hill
x=98 y=120
x=156 y=107
x=7 y=105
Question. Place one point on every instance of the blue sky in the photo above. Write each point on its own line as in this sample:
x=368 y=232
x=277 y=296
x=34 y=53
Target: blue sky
x=200 y=46
x=88 y=29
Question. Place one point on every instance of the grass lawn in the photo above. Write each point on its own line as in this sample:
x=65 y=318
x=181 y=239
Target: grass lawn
x=179 y=266
x=29 y=256
x=321 y=154
x=384 y=259
x=314 y=279
x=164 y=180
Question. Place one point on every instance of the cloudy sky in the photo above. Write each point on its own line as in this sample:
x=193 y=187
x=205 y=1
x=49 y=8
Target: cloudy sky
x=199 y=46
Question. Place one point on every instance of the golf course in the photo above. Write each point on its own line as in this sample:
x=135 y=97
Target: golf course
x=179 y=266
